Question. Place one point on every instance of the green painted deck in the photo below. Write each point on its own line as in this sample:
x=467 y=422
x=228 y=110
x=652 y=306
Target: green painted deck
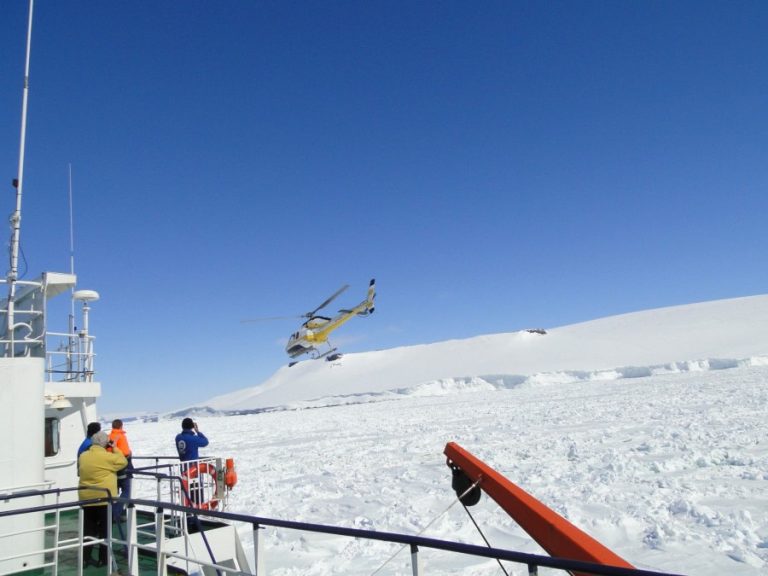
x=68 y=559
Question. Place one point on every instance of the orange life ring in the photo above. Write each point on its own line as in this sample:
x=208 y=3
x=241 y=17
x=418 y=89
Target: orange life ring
x=192 y=473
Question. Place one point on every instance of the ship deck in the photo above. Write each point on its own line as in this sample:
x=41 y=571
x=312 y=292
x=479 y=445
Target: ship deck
x=65 y=556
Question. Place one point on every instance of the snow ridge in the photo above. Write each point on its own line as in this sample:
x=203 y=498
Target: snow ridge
x=695 y=337
x=490 y=382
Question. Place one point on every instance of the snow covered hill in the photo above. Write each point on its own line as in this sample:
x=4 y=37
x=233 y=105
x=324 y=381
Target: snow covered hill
x=704 y=336
x=646 y=430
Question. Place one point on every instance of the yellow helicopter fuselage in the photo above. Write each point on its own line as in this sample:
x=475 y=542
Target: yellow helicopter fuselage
x=315 y=330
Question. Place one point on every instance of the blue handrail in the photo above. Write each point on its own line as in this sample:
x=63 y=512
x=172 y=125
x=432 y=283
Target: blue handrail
x=392 y=537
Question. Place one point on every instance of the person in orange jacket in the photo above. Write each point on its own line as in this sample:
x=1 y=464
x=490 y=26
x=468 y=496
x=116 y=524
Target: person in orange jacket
x=118 y=442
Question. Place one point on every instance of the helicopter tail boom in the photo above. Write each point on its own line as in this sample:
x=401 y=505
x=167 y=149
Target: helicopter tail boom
x=366 y=306
x=363 y=309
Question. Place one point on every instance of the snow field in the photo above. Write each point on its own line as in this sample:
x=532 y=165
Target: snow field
x=670 y=471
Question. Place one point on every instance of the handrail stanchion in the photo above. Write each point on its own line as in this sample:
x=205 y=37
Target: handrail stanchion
x=258 y=550
x=183 y=526
x=81 y=538
x=415 y=559
x=157 y=482
x=133 y=539
x=56 y=536
x=159 y=538
x=533 y=570
x=108 y=543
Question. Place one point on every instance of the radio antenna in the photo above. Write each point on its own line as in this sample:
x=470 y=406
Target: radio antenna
x=13 y=273
x=72 y=339
x=71 y=227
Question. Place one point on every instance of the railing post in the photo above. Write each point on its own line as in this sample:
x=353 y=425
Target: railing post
x=258 y=551
x=56 y=536
x=157 y=485
x=108 y=543
x=533 y=570
x=415 y=559
x=133 y=540
x=159 y=539
x=81 y=538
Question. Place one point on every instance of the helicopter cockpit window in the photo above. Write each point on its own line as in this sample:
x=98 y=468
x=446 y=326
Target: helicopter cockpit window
x=52 y=436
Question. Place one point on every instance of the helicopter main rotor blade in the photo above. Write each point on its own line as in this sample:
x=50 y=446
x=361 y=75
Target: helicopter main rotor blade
x=270 y=318
x=328 y=301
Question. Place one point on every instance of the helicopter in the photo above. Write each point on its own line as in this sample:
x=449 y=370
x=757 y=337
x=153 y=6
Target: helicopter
x=312 y=336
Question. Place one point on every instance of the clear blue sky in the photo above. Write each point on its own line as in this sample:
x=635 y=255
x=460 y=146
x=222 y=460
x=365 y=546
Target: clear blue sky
x=495 y=165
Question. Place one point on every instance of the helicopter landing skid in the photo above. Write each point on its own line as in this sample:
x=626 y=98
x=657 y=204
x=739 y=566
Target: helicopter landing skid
x=329 y=355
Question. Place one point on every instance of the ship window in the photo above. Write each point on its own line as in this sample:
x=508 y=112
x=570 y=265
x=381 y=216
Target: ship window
x=52 y=433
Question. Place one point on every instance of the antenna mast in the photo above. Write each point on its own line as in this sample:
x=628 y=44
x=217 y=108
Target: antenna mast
x=72 y=339
x=13 y=273
x=71 y=227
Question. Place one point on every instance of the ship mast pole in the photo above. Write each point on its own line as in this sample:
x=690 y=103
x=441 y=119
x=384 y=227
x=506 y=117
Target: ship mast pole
x=72 y=339
x=13 y=274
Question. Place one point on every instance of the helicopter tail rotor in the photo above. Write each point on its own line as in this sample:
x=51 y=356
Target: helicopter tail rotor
x=369 y=300
x=366 y=306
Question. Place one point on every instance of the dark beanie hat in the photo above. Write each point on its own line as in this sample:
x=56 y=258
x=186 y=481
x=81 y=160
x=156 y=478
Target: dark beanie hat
x=93 y=427
x=187 y=424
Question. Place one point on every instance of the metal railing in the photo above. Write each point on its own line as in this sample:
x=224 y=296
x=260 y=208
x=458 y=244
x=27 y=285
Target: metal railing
x=197 y=483
x=160 y=509
x=69 y=356
x=80 y=542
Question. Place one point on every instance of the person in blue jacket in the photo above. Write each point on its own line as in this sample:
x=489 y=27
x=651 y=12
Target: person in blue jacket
x=93 y=427
x=189 y=440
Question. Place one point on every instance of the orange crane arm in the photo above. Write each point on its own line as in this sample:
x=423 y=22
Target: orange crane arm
x=554 y=533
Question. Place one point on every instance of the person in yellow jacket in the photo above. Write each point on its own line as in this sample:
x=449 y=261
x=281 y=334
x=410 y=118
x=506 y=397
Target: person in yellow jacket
x=119 y=443
x=98 y=469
